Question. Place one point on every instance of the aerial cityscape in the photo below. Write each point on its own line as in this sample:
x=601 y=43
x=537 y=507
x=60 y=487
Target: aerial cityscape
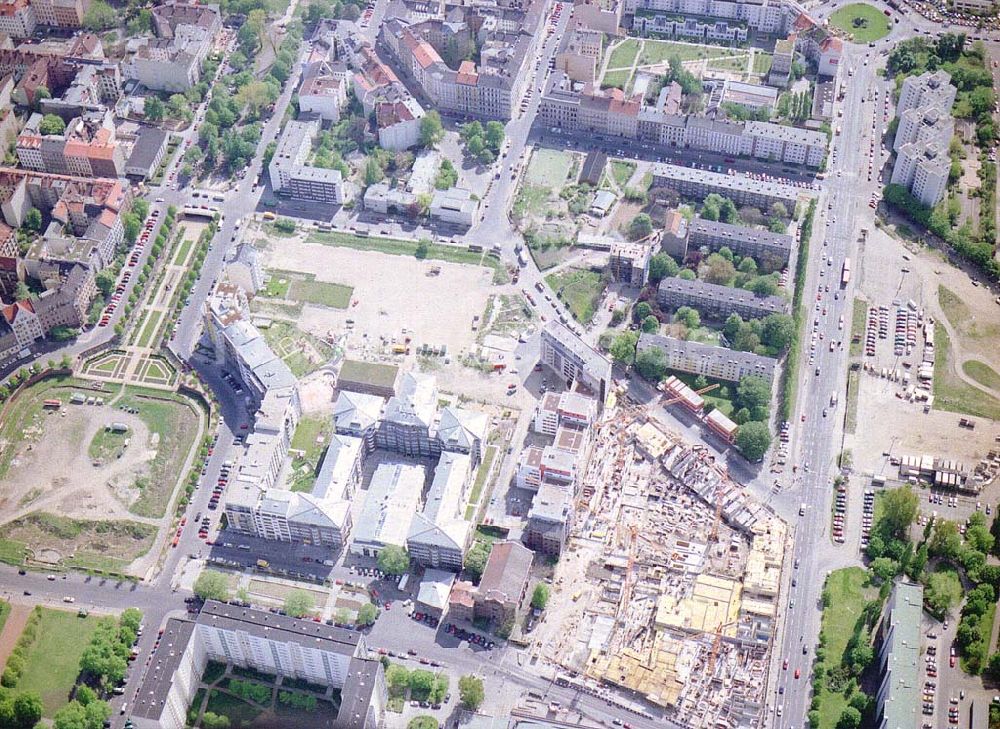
x=499 y=364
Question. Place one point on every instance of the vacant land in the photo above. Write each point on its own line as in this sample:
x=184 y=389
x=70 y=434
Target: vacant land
x=848 y=592
x=581 y=290
x=982 y=373
x=393 y=246
x=863 y=22
x=312 y=435
x=302 y=352
x=107 y=444
x=549 y=167
x=952 y=393
x=99 y=545
x=173 y=427
x=52 y=664
x=306 y=289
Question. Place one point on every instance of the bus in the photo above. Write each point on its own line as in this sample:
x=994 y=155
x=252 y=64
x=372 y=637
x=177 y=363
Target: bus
x=845 y=273
x=52 y=404
x=193 y=211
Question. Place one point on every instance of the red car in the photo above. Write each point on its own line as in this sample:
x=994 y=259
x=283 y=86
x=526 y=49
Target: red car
x=797 y=673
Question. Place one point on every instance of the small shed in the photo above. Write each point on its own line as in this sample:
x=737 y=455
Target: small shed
x=593 y=168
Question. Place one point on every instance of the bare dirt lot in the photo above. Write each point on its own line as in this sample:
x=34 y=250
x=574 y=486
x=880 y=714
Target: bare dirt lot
x=393 y=294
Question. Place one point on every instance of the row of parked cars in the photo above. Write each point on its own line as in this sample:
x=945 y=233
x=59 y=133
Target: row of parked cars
x=126 y=276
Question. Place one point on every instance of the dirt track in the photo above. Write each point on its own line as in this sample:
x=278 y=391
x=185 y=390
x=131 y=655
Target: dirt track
x=16 y=621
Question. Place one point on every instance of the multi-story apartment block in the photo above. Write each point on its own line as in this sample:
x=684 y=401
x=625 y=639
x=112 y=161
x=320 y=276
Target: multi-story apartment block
x=409 y=416
x=922 y=124
x=931 y=88
x=67 y=301
x=697 y=184
x=704 y=359
x=172 y=61
x=61 y=13
x=9 y=346
x=393 y=498
x=87 y=148
x=358 y=414
x=324 y=90
x=550 y=520
x=564 y=408
x=290 y=172
x=717 y=302
x=23 y=320
x=575 y=361
x=781 y=62
x=506 y=38
x=609 y=113
x=17 y=18
x=580 y=52
x=899 y=658
x=289 y=648
x=923 y=167
x=439 y=533
x=763 y=16
x=763 y=245
x=703 y=30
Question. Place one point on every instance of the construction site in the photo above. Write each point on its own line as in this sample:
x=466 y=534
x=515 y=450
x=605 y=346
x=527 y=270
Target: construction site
x=669 y=586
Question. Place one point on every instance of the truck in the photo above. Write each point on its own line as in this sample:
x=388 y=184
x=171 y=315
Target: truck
x=845 y=273
x=522 y=260
x=833 y=399
x=263 y=564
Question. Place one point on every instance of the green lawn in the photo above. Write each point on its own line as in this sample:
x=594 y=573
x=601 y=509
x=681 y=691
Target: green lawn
x=864 y=22
x=13 y=552
x=617 y=79
x=148 y=333
x=621 y=171
x=859 y=318
x=733 y=63
x=848 y=595
x=106 y=444
x=951 y=393
x=657 y=51
x=396 y=247
x=853 y=386
x=312 y=436
x=336 y=296
x=705 y=335
x=623 y=56
x=579 y=289
x=477 y=487
x=982 y=373
x=548 y=168
x=182 y=251
x=240 y=713
x=762 y=62
x=52 y=664
x=278 y=284
x=4 y=613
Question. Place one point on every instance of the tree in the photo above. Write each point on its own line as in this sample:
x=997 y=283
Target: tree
x=28 y=709
x=850 y=718
x=753 y=439
x=540 y=596
x=642 y=310
x=85 y=694
x=100 y=16
x=651 y=364
x=650 y=324
x=718 y=270
x=373 y=171
x=397 y=678
x=979 y=537
x=421 y=681
x=212 y=585
x=688 y=317
x=21 y=291
x=623 y=348
x=71 y=716
x=51 y=124
x=993 y=667
x=495 y=135
x=899 y=509
x=211 y=720
x=299 y=603
x=393 y=560
x=687 y=274
x=943 y=592
x=640 y=227
x=33 y=219
x=475 y=146
x=763 y=285
x=884 y=568
x=470 y=130
x=470 y=692
x=753 y=390
x=423 y=722
x=154 y=109
x=475 y=560
x=423 y=248
x=367 y=614
x=431 y=129
x=131 y=225
x=778 y=331
x=661 y=266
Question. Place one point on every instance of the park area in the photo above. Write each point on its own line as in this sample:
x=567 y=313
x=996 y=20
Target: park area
x=84 y=473
x=863 y=23
x=580 y=289
x=632 y=57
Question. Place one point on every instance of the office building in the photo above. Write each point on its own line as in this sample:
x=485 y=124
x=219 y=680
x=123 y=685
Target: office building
x=716 y=302
x=391 y=502
x=704 y=359
x=504 y=584
x=147 y=153
x=455 y=206
x=285 y=647
x=629 y=263
x=291 y=174
x=439 y=533
x=772 y=249
x=550 y=520
x=897 y=703
x=575 y=361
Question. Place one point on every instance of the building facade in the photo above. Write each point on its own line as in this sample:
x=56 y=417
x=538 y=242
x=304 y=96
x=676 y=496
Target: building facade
x=704 y=359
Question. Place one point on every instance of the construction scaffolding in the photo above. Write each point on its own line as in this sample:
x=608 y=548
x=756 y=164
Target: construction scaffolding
x=681 y=571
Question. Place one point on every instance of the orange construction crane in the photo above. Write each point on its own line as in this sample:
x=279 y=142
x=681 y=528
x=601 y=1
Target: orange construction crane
x=714 y=535
x=716 y=645
x=702 y=391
